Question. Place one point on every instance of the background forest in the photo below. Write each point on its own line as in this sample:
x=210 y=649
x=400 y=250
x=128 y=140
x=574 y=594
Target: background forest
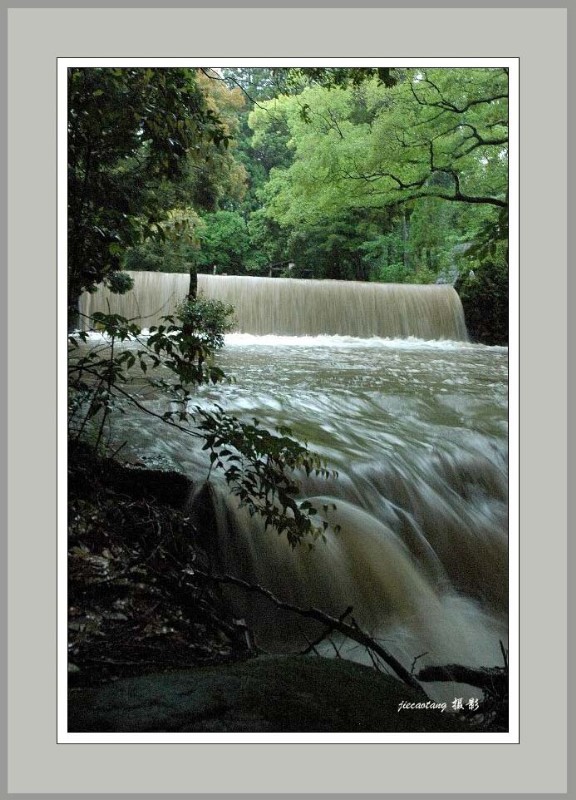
x=391 y=175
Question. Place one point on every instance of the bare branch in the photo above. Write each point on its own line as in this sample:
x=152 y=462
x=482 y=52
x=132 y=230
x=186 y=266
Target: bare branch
x=351 y=631
x=215 y=77
x=446 y=105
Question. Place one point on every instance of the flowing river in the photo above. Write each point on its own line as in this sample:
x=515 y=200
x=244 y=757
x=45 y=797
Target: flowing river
x=381 y=381
x=418 y=433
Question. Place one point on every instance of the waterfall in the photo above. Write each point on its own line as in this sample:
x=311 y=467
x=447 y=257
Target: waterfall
x=295 y=307
x=417 y=538
x=154 y=295
x=300 y=307
x=409 y=585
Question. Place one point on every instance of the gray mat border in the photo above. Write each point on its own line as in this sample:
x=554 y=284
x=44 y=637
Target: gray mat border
x=5 y=295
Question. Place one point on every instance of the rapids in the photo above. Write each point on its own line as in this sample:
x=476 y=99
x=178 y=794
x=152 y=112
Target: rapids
x=417 y=431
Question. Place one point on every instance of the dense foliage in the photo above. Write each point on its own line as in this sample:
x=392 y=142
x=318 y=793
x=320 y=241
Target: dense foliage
x=360 y=174
x=141 y=144
x=484 y=295
x=425 y=161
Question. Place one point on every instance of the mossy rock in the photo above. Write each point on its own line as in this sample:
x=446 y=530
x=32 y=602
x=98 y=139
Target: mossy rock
x=266 y=694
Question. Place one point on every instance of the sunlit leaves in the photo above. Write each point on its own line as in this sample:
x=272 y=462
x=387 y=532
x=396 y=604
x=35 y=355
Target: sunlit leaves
x=440 y=132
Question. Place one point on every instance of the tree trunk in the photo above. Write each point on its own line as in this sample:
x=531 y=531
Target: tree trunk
x=405 y=233
x=74 y=315
x=193 y=284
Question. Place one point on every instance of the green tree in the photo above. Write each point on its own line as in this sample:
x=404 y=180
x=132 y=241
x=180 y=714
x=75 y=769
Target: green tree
x=223 y=242
x=176 y=250
x=128 y=131
x=268 y=242
x=146 y=148
x=445 y=136
x=437 y=133
x=434 y=232
x=222 y=166
x=256 y=83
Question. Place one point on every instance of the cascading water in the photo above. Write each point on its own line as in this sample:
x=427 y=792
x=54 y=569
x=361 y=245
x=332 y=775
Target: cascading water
x=416 y=428
x=418 y=434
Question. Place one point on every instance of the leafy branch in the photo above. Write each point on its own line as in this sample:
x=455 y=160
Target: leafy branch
x=259 y=466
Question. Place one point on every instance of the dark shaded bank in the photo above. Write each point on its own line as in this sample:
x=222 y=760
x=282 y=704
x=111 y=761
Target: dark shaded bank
x=484 y=295
x=135 y=604
x=152 y=647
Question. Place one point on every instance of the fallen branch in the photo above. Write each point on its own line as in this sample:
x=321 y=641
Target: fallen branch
x=325 y=634
x=351 y=631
